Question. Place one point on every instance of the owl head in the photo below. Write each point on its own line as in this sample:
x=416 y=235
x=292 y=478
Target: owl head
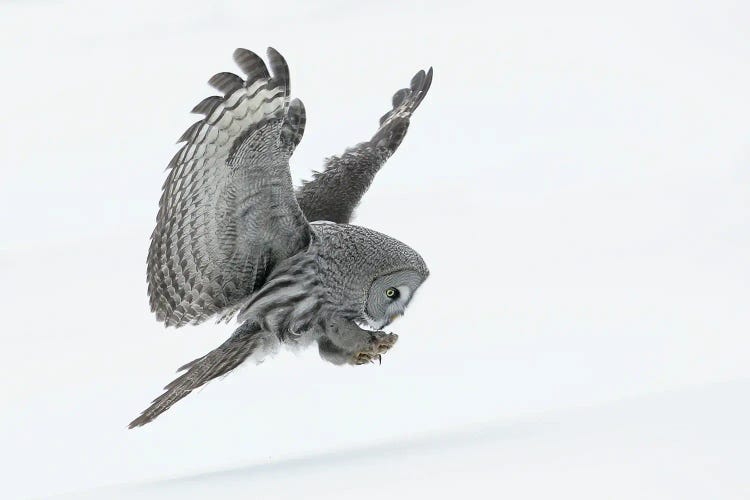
x=369 y=276
x=396 y=271
x=389 y=295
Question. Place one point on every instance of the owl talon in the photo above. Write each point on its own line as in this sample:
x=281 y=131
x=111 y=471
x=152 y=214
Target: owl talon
x=362 y=359
x=380 y=344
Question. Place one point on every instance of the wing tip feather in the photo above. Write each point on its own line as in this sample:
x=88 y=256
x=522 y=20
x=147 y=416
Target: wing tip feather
x=226 y=82
x=207 y=105
x=251 y=64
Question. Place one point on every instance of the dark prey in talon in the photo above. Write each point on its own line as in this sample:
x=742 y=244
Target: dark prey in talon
x=234 y=239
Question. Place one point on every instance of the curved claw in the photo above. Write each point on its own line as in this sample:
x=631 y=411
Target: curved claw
x=380 y=344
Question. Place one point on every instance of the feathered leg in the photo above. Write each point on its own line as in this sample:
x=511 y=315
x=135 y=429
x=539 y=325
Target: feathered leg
x=246 y=340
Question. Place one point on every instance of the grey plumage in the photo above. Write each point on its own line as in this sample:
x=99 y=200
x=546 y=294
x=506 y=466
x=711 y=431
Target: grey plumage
x=207 y=105
x=334 y=193
x=252 y=65
x=233 y=238
x=226 y=82
x=228 y=356
x=227 y=213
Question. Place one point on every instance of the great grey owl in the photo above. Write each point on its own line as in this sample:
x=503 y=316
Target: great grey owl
x=233 y=237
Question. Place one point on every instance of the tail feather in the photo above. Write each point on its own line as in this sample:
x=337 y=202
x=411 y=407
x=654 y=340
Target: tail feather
x=225 y=358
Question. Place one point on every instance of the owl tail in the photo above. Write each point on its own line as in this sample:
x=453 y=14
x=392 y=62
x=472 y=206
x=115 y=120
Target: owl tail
x=244 y=341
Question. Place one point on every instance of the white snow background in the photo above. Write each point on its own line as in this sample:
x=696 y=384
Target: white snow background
x=577 y=179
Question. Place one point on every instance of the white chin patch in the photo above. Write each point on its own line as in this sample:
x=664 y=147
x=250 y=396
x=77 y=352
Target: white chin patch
x=369 y=324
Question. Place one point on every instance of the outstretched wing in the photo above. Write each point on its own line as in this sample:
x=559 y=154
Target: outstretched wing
x=228 y=213
x=334 y=193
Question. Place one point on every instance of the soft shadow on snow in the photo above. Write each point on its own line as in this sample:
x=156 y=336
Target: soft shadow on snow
x=663 y=445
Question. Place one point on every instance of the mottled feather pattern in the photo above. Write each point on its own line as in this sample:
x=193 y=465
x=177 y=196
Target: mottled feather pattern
x=393 y=124
x=326 y=280
x=292 y=298
x=347 y=250
x=334 y=193
x=232 y=236
x=227 y=185
x=294 y=125
x=302 y=299
x=226 y=82
x=247 y=340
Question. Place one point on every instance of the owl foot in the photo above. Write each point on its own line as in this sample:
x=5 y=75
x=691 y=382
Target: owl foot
x=380 y=342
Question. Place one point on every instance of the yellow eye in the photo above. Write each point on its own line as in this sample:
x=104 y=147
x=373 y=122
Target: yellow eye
x=392 y=293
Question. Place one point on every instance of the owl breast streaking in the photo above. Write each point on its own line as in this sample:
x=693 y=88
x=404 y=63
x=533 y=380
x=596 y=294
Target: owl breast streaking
x=234 y=239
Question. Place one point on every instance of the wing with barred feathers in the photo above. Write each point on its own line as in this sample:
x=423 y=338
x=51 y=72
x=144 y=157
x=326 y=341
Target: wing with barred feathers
x=228 y=212
x=334 y=193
